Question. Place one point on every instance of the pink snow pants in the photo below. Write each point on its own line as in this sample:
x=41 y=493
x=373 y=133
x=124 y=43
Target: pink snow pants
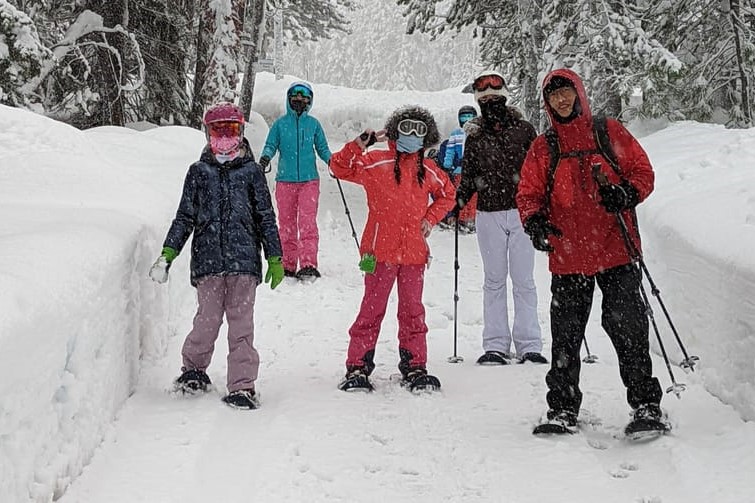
x=412 y=330
x=297 y=222
x=233 y=296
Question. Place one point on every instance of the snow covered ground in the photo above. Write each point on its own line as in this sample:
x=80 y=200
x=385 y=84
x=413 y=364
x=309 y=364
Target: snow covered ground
x=89 y=345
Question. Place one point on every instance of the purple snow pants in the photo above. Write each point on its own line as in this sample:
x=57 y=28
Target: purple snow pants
x=233 y=296
x=297 y=222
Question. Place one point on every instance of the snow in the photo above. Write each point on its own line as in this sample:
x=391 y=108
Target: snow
x=89 y=345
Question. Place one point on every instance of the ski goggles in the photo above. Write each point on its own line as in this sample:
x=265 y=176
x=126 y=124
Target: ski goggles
x=464 y=118
x=488 y=82
x=411 y=126
x=224 y=129
x=300 y=91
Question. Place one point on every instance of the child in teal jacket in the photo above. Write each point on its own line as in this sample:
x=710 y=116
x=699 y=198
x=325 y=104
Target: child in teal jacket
x=297 y=136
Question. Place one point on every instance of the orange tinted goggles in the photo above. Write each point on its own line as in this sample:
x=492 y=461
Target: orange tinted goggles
x=488 y=82
x=225 y=128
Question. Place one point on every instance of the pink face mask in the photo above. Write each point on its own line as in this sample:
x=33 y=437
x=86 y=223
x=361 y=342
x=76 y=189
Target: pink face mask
x=225 y=137
x=224 y=144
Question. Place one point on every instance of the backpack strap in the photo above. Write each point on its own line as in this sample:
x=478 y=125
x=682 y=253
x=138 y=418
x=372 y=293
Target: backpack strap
x=551 y=138
x=603 y=142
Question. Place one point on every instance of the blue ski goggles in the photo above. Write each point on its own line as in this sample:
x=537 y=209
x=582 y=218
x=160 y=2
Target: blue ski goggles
x=300 y=91
x=411 y=126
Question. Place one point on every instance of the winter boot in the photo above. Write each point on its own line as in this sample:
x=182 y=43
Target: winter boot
x=356 y=379
x=419 y=380
x=309 y=273
x=648 y=422
x=557 y=422
x=533 y=357
x=288 y=273
x=242 y=399
x=192 y=381
x=493 y=358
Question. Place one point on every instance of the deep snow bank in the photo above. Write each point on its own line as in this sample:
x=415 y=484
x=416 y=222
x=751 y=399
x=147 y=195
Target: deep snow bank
x=699 y=235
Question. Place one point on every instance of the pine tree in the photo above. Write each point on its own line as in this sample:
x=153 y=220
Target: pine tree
x=24 y=59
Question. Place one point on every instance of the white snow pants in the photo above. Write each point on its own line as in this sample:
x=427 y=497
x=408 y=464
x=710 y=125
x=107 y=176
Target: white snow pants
x=507 y=251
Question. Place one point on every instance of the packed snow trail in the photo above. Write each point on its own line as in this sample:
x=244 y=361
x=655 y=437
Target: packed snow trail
x=470 y=443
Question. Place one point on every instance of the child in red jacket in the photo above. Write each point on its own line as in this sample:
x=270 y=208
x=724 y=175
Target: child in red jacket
x=398 y=183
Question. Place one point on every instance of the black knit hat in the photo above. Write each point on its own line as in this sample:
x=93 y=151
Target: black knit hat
x=417 y=113
x=557 y=82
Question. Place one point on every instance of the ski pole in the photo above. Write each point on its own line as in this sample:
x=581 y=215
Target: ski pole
x=456 y=358
x=348 y=214
x=636 y=257
x=590 y=358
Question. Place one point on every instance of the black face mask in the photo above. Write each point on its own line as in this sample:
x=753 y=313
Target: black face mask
x=298 y=106
x=494 y=110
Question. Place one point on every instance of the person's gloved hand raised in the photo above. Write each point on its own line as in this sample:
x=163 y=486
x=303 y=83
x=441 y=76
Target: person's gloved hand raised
x=159 y=270
x=369 y=137
x=538 y=228
x=274 y=272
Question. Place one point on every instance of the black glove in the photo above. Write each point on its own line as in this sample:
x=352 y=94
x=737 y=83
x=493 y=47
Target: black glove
x=369 y=139
x=264 y=162
x=538 y=228
x=616 y=198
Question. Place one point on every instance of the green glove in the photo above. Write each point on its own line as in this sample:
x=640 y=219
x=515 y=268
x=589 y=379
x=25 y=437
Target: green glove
x=368 y=263
x=169 y=253
x=274 y=272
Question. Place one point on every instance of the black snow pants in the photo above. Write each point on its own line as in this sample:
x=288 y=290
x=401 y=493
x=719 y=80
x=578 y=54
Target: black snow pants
x=625 y=320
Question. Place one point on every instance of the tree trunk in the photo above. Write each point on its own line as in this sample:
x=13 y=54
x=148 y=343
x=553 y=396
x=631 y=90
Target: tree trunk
x=256 y=32
x=744 y=90
x=204 y=32
x=110 y=72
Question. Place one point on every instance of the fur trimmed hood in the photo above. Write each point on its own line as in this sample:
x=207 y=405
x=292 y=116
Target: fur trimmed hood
x=417 y=113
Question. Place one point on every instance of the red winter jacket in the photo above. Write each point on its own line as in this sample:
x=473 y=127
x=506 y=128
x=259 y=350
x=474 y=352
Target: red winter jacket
x=592 y=239
x=393 y=230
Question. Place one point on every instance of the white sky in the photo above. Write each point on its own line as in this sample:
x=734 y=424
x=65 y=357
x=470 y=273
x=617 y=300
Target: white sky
x=89 y=345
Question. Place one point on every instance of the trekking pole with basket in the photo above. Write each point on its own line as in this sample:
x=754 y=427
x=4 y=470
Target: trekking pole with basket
x=688 y=363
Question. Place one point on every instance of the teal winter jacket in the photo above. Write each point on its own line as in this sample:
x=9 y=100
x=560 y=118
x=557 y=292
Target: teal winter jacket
x=297 y=137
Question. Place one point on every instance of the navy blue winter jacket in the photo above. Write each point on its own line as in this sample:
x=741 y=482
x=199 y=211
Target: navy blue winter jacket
x=229 y=210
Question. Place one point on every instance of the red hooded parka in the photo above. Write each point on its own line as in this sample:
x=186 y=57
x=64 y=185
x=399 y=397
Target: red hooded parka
x=592 y=239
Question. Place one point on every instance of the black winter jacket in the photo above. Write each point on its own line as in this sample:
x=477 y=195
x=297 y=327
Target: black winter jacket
x=229 y=210
x=493 y=157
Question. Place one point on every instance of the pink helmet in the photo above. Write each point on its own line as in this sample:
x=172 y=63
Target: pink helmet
x=223 y=111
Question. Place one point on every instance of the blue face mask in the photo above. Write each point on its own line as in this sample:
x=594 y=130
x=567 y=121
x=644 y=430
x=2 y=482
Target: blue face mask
x=408 y=143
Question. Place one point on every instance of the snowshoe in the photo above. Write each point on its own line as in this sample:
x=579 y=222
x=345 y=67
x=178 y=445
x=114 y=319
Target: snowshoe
x=533 y=357
x=560 y=422
x=467 y=227
x=649 y=422
x=308 y=274
x=419 y=380
x=192 y=382
x=493 y=358
x=356 y=380
x=242 y=399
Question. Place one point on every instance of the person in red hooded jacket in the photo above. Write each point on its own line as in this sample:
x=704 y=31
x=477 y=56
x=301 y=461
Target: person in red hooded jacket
x=575 y=222
x=398 y=183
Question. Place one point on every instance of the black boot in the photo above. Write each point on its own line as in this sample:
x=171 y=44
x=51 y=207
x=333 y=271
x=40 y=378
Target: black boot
x=557 y=422
x=648 y=422
x=192 y=381
x=356 y=379
x=419 y=380
x=242 y=399
x=493 y=358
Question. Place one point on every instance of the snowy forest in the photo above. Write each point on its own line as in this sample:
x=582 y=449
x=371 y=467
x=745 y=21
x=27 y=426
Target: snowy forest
x=113 y=62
